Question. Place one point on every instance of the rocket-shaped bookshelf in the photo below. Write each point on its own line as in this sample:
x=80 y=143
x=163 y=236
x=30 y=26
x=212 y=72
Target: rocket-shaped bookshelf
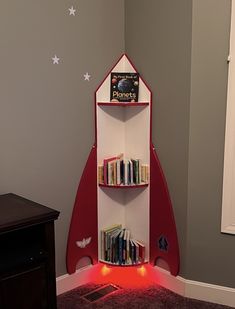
x=145 y=208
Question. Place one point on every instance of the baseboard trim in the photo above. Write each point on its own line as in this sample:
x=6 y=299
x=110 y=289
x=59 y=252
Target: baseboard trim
x=187 y=288
x=210 y=292
x=68 y=282
x=195 y=289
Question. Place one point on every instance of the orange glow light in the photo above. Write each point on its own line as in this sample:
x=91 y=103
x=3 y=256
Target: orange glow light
x=105 y=270
x=142 y=271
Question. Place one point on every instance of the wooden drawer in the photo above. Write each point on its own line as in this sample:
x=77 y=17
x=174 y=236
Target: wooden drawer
x=25 y=290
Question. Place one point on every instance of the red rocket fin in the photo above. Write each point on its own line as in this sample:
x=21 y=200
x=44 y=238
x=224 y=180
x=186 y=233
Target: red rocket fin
x=163 y=235
x=82 y=240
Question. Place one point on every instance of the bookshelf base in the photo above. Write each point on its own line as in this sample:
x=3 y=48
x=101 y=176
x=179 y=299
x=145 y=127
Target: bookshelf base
x=141 y=185
x=123 y=265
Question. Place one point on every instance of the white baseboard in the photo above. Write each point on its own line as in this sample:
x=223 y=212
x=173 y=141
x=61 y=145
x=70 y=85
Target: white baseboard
x=187 y=288
x=68 y=282
x=195 y=289
x=210 y=292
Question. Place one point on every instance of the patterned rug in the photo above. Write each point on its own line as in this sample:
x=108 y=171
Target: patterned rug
x=151 y=297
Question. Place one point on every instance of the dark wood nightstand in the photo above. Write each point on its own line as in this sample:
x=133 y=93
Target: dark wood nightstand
x=27 y=254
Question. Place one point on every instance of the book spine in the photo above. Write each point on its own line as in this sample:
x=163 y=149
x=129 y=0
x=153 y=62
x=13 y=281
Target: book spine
x=138 y=172
x=122 y=171
x=142 y=253
x=100 y=174
x=132 y=252
x=128 y=247
x=126 y=172
x=120 y=251
x=145 y=173
x=105 y=172
x=131 y=172
x=118 y=172
x=116 y=249
x=114 y=168
x=109 y=173
x=137 y=254
x=102 y=245
x=105 y=247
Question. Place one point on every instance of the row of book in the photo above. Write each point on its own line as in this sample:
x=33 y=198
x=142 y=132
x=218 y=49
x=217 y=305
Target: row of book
x=117 y=246
x=120 y=171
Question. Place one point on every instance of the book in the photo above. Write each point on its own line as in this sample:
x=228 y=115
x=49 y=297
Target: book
x=125 y=172
x=110 y=243
x=104 y=242
x=108 y=169
x=118 y=170
x=122 y=171
x=116 y=248
x=120 y=254
x=100 y=174
x=136 y=258
x=141 y=251
x=145 y=173
x=128 y=260
x=114 y=172
x=113 y=245
x=124 y=247
x=132 y=251
x=124 y=87
x=131 y=179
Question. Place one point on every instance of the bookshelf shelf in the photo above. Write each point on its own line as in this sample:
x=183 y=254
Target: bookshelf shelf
x=124 y=186
x=123 y=104
x=123 y=265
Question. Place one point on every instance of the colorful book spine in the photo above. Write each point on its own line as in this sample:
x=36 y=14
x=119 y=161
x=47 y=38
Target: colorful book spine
x=119 y=171
x=118 y=247
x=100 y=174
x=145 y=173
x=120 y=243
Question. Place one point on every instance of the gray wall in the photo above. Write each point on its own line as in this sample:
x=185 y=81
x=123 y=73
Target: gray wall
x=181 y=48
x=158 y=40
x=47 y=117
x=46 y=110
x=210 y=254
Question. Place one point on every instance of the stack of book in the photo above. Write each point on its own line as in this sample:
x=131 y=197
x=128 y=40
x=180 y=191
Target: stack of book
x=120 y=171
x=117 y=246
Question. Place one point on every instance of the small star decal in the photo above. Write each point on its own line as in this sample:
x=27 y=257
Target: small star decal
x=162 y=243
x=72 y=11
x=55 y=60
x=87 y=76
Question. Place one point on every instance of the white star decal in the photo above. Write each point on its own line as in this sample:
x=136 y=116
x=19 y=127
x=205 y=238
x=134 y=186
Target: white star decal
x=72 y=11
x=55 y=60
x=87 y=76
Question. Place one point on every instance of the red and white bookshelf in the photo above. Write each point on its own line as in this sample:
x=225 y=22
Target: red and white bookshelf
x=145 y=209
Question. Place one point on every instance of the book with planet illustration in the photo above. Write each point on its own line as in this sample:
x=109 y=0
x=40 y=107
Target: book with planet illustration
x=124 y=87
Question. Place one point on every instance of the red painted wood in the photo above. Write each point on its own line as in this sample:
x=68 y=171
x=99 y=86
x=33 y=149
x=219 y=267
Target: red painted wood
x=123 y=104
x=84 y=219
x=162 y=223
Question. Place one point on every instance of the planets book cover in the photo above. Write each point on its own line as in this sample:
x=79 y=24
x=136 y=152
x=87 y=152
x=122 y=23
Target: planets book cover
x=124 y=87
